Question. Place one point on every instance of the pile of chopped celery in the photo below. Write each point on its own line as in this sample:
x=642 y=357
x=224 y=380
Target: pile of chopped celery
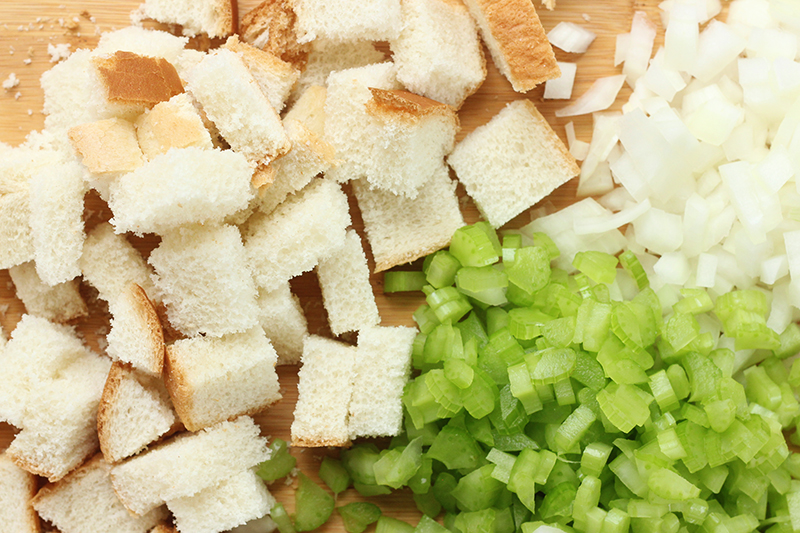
x=545 y=399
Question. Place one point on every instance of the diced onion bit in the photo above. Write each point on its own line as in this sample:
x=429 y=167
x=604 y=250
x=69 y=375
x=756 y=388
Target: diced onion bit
x=571 y=37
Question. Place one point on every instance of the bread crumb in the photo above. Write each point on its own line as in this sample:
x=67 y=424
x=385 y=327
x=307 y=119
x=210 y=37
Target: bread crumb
x=4 y=308
x=30 y=112
x=10 y=82
x=292 y=475
x=11 y=50
x=58 y=52
x=17 y=95
x=27 y=61
x=30 y=51
x=586 y=17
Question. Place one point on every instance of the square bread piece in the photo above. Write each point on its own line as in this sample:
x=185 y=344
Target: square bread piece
x=347 y=20
x=383 y=365
x=323 y=393
x=108 y=145
x=283 y=322
x=203 y=278
x=175 y=123
x=400 y=230
x=272 y=27
x=85 y=501
x=330 y=56
x=211 y=380
x=438 y=53
x=512 y=162
x=517 y=41
x=216 y=18
x=59 y=303
x=17 y=488
x=136 y=336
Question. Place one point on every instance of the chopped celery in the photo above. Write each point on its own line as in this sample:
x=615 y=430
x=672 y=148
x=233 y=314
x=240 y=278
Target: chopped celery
x=440 y=269
x=279 y=464
x=313 y=506
x=334 y=474
x=282 y=520
x=472 y=246
x=598 y=266
x=358 y=515
x=387 y=524
x=530 y=270
x=403 y=281
x=484 y=284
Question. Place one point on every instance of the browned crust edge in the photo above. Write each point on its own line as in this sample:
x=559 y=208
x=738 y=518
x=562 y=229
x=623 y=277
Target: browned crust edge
x=148 y=315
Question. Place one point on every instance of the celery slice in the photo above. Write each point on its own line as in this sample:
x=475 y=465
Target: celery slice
x=530 y=270
x=600 y=267
x=472 y=246
x=334 y=475
x=279 y=464
x=358 y=515
x=403 y=281
x=313 y=506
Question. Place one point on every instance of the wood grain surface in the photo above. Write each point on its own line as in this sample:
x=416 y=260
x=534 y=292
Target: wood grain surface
x=26 y=30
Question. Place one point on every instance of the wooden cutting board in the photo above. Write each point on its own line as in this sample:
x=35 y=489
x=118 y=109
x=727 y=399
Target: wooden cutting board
x=26 y=31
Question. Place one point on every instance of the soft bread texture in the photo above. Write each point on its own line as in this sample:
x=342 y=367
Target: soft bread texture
x=400 y=230
x=134 y=412
x=85 y=501
x=216 y=18
x=517 y=41
x=59 y=303
x=211 y=380
x=56 y=390
x=382 y=368
x=56 y=203
x=438 y=52
x=110 y=264
x=143 y=42
x=309 y=110
x=183 y=186
x=275 y=249
x=172 y=124
x=512 y=162
x=108 y=145
x=284 y=323
x=272 y=27
x=329 y=56
x=136 y=336
x=324 y=387
x=347 y=20
x=203 y=278
x=308 y=158
x=188 y=463
x=17 y=488
x=134 y=79
x=233 y=502
x=274 y=76
x=346 y=291
x=232 y=99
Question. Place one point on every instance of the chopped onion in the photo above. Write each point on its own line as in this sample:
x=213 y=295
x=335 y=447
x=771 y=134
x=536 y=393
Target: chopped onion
x=681 y=36
x=640 y=47
x=579 y=149
x=706 y=270
x=623 y=43
x=561 y=88
x=600 y=96
x=571 y=37
x=718 y=46
x=607 y=222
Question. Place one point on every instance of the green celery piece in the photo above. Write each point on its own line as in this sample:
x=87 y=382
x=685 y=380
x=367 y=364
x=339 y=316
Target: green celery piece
x=504 y=518
x=633 y=325
x=751 y=331
x=695 y=510
x=520 y=297
x=428 y=432
x=761 y=389
x=554 y=364
x=600 y=267
x=521 y=478
x=443 y=343
x=645 y=509
x=472 y=246
x=634 y=268
x=680 y=330
x=430 y=508
x=620 y=363
x=387 y=524
x=558 y=298
x=420 y=482
x=586 y=497
x=498 y=354
x=480 y=521
x=496 y=319
x=480 y=429
x=396 y=466
x=359 y=460
x=448 y=304
x=695 y=301
x=477 y=490
x=679 y=381
x=543 y=240
x=440 y=269
x=663 y=392
x=511 y=241
x=721 y=413
x=724 y=359
x=559 y=332
x=491 y=233
x=471 y=327
x=790 y=342
x=530 y=270
x=523 y=389
x=455 y=448
x=558 y=502
x=670 y=444
x=443 y=491
x=572 y=430
x=713 y=478
x=526 y=323
x=418 y=350
x=279 y=464
x=625 y=406
x=425 y=318
x=459 y=373
x=592 y=324
x=420 y=404
x=775 y=369
x=628 y=474
x=509 y=415
x=565 y=394
x=503 y=463
x=751 y=300
x=334 y=474
x=695 y=414
x=703 y=375
x=282 y=520
x=444 y=391
x=313 y=505
x=513 y=442
x=594 y=458
x=484 y=284
x=588 y=371
x=403 y=281
x=616 y=521
x=427 y=524
x=358 y=515
x=368 y=489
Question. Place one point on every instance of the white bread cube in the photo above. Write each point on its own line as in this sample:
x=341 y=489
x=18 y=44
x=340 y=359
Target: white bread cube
x=284 y=323
x=347 y=20
x=142 y=41
x=185 y=186
x=211 y=380
x=382 y=368
x=17 y=488
x=57 y=303
x=324 y=388
x=188 y=463
x=271 y=26
x=308 y=158
x=203 y=278
x=300 y=232
x=517 y=41
x=16 y=240
x=212 y=17
x=233 y=502
x=110 y=264
x=400 y=230
x=108 y=145
x=56 y=203
x=438 y=52
x=309 y=110
x=85 y=501
x=233 y=100
x=330 y=56
x=346 y=290
x=135 y=411
x=136 y=336
x=275 y=77
x=512 y=162
x=175 y=123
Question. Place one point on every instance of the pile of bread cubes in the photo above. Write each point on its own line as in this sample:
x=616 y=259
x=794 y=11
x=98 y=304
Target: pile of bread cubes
x=234 y=157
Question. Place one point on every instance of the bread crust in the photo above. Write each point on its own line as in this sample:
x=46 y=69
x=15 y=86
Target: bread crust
x=518 y=33
x=133 y=79
x=407 y=106
x=147 y=314
x=96 y=462
x=276 y=19
x=31 y=517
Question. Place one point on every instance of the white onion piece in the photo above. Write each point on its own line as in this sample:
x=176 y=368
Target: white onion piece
x=607 y=222
x=787 y=75
x=774 y=268
x=673 y=268
x=695 y=222
x=640 y=47
x=706 y=270
x=780 y=314
x=791 y=240
x=787 y=13
x=717 y=46
x=579 y=149
x=662 y=79
x=775 y=169
x=599 y=182
x=681 y=36
x=561 y=88
x=738 y=178
x=604 y=138
x=749 y=13
x=623 y=43
x=600 y=96
x=563 y=220
x=659 y=231
x=713 y=117
x=571 y=37
x=772 y=43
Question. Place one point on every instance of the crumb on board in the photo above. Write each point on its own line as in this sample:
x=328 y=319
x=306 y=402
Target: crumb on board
x=58 y=52
x=10 y=82
x=11 y=50
x=27 y=61
x=17 y=95
x=586 y=17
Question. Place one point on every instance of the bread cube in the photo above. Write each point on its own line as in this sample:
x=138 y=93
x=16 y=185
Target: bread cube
x=284 y=323
x=17 y=488
x=136 y=336
x=347 y=20
x=172 y=124
x=58 y=303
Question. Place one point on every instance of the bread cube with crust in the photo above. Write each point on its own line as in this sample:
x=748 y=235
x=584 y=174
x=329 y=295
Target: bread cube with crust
x=108 y=145
x=17 y=489
x=347 y=20
x=272 y=27
x=284 y=323
x=136 y=336
x=215 y=18
x=57 y=303
x=172 y=124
